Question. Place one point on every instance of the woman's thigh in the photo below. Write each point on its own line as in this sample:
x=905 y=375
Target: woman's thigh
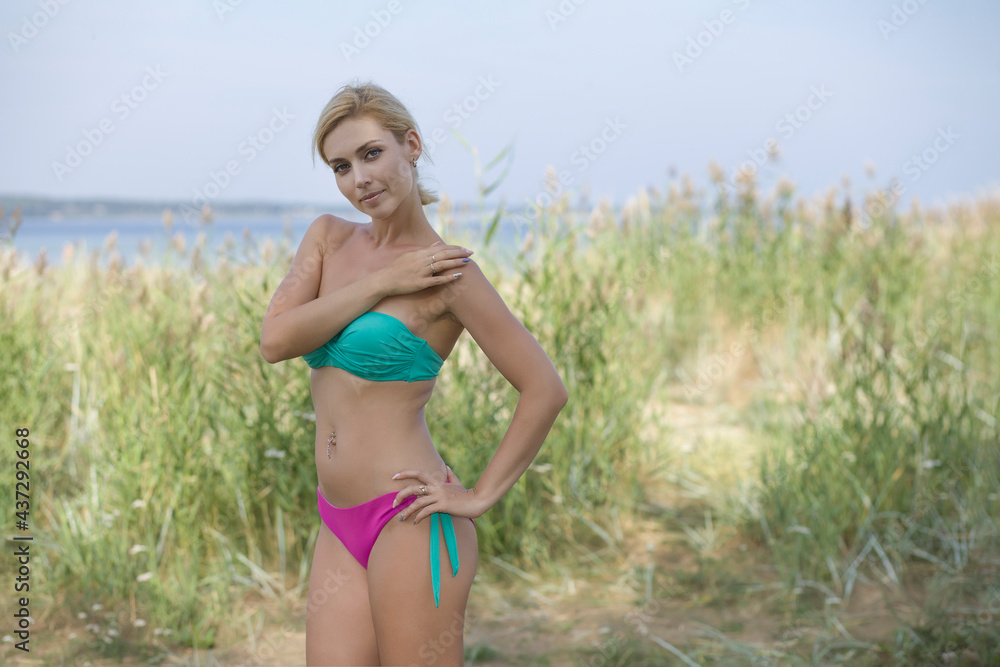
x=409 y=629
x=339 y=629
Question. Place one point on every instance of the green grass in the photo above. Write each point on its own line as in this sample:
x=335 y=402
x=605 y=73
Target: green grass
x=167 y=457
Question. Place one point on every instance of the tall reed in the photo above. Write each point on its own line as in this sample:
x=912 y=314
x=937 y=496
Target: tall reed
x=172 y=466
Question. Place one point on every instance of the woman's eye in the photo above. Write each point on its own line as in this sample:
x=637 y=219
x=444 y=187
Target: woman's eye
x=337 y=168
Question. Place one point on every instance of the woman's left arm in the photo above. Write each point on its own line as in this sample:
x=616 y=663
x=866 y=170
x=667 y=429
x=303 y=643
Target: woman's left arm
x=523 y=362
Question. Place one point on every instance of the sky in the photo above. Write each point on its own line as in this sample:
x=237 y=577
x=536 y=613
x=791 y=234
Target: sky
x=219 y=98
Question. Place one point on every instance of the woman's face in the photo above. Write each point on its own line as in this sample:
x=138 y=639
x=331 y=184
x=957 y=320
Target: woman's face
x=372 y=169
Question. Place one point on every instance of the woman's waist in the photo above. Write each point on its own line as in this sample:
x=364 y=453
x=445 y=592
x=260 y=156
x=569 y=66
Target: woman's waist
x=357 y=470
x=349 y=432
x=359 y=417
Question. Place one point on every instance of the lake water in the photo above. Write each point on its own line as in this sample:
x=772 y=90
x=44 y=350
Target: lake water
x=148 y=239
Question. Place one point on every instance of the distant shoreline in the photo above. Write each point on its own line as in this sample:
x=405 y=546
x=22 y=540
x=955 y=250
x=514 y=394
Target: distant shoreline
x=46 y=207
x=33 y=206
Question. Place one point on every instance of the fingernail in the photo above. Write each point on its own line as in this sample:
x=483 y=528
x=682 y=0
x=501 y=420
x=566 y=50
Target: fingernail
x=466 y=259
x=395 y=476
x=393 y=503
x=468 y=251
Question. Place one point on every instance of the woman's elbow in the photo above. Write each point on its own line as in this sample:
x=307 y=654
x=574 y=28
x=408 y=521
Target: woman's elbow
x=548 y=394
x=558 y=395
x=269 y=349
x=268 y=354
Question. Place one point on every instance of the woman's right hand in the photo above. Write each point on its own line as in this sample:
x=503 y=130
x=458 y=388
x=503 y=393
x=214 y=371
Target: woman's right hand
x=419 y=269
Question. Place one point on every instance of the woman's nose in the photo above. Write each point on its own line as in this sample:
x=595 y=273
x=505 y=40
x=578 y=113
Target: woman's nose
x=361 y=177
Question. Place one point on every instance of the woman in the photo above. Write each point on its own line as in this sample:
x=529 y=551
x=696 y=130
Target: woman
x=375 y=309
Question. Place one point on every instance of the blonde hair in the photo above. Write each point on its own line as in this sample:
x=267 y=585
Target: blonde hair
x=368 y=100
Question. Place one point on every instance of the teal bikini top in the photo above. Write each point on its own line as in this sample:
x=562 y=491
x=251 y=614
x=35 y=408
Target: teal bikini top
x=379 y=347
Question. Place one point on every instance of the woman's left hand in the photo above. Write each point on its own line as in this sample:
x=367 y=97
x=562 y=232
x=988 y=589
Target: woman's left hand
x=450 y=496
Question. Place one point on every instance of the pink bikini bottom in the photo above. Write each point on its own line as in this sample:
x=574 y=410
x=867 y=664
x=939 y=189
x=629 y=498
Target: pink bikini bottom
x=358 y=527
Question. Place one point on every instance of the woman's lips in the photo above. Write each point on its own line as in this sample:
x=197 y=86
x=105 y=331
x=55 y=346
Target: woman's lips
x=372 y=198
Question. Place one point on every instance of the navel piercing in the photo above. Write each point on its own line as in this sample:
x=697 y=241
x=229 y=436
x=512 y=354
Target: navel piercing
x=333 y=436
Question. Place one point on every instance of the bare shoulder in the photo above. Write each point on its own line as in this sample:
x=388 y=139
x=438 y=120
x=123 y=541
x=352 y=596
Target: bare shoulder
x=473 y=298
x=323 y=236
x=477 y=279
x=329 y=232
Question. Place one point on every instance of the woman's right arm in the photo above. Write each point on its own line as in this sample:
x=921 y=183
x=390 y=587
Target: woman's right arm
x=296 y=321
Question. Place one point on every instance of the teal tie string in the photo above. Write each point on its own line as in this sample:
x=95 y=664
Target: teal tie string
x=449 y=540
x=435 y=575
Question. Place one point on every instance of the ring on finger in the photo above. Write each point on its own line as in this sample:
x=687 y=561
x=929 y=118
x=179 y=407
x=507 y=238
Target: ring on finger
x=433 y=259
x=432 y=268
x=423 y=490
